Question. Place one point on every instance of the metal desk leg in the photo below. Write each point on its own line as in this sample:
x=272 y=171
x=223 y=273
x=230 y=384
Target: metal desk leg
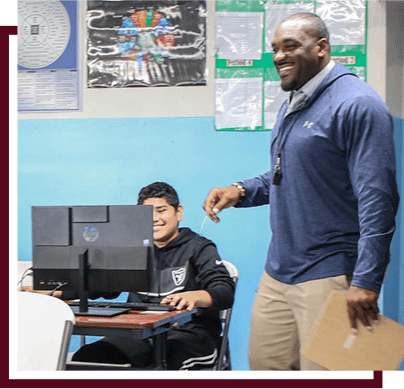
x=159 y=351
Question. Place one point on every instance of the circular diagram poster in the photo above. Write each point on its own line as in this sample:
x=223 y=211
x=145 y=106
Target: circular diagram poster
x=43 y=33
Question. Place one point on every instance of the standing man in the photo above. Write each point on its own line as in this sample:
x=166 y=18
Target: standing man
x=332 y=193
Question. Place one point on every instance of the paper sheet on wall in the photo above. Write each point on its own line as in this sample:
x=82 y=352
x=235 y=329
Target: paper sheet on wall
x=277 y=12
x=244 y=33
x=274 y=97
x=48 y=76
x=345 y=20
x=238 y=103
x=239 y=35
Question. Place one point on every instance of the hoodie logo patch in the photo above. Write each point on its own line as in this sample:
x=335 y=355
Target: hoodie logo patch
x=178 y=276
x=307 y=124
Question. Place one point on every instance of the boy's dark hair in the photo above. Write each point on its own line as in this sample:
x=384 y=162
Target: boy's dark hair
x=159 y=190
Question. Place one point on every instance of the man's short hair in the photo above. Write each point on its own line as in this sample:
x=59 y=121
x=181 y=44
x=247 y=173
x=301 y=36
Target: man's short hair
x=317 y=27
x=159 y=190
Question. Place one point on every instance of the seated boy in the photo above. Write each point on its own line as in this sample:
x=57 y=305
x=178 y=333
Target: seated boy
x=188 y=273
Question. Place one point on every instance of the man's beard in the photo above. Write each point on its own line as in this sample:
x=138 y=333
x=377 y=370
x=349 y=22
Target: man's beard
x=288 y=86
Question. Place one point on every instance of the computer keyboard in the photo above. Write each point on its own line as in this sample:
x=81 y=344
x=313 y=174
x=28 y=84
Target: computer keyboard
x=132 y=306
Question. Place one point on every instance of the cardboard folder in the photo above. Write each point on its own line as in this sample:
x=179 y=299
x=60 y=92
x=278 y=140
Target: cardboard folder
x=331 y=342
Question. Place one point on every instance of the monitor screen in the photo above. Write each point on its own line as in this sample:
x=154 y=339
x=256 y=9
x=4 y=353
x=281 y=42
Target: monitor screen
x=116 y=242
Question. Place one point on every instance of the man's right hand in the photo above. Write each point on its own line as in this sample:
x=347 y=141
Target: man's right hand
x=220 y=198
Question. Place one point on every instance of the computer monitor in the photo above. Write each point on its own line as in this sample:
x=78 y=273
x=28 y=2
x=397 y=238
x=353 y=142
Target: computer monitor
x=92 y=249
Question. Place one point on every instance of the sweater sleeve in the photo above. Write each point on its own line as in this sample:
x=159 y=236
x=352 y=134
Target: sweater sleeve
x=372 y=167
x=213 y=277
x=256 y=191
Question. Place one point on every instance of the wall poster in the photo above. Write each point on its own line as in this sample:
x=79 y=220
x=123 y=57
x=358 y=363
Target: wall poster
x=146 y=43
x=48 y=77
x=247 y=86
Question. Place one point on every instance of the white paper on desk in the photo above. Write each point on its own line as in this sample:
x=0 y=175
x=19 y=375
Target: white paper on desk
x=239 y=35
x=152 y=312
x=275 y=13
x=238 y=102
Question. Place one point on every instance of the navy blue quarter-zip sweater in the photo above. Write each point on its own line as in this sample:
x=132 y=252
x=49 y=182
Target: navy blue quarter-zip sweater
x=333 y=211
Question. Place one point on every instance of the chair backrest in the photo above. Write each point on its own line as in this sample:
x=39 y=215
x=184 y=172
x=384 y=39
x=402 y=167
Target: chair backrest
x=45 y=325
x=223 y=362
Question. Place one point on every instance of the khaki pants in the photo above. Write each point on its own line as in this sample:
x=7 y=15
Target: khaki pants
x=281 y=320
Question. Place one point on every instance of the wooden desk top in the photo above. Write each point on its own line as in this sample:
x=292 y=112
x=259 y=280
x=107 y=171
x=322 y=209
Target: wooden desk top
x=135 y=320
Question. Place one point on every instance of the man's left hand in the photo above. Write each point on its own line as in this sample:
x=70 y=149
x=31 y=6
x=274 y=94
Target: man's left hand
x=362 y=305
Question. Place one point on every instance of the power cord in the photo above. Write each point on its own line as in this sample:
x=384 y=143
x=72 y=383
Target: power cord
x=58 y=287
x=24 y=275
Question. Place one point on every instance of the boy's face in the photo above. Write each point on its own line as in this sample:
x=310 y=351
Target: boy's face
x=165 y=220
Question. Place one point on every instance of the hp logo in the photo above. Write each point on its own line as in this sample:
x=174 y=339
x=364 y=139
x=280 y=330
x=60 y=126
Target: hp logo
x=90 y=234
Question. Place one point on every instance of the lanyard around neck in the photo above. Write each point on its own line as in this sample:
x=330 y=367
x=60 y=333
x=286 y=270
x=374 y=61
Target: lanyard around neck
x=281 y=140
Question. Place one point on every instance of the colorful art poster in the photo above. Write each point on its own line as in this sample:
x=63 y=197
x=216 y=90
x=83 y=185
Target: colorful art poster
x=146 y=43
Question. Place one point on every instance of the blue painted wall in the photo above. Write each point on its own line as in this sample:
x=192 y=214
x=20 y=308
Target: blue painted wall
x=107 y=161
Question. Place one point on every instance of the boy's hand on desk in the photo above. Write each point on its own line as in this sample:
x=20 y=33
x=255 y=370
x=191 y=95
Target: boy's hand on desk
x=189 y=300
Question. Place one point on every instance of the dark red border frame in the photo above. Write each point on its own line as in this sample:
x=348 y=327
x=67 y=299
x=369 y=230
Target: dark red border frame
x=375 y=383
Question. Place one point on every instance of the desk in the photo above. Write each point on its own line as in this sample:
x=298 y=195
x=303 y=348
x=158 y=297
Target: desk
x=136 y=325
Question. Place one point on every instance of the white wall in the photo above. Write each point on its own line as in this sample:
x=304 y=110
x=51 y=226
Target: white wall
x=376 y=50
x=395 y=57
x=386 y=52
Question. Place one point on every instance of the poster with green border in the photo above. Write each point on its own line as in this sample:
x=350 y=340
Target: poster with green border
x=247 y=86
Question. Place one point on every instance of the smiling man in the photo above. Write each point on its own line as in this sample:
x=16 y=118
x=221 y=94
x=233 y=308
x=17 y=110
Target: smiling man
x=187 y=274
x=301 y=50
x=332 y=193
